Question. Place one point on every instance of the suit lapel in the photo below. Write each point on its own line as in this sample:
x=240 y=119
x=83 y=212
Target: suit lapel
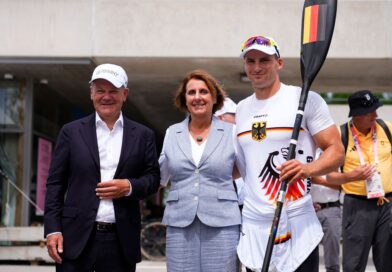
x=214 y=137
x=182 y=137
x=89 y=136
x=127 y=146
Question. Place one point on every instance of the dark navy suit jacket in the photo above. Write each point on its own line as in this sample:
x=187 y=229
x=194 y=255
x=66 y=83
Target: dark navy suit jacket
x=71 y=203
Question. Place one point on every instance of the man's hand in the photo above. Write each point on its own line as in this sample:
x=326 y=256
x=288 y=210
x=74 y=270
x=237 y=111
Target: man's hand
x=316 y=206
x=361 y=172
x=113 y=189
x=293 y=170
x=54 y=244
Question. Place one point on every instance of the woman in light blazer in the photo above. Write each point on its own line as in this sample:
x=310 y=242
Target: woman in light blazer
x=198 y=157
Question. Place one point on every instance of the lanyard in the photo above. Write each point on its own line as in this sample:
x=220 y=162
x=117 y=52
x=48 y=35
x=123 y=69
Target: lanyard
x=358 y=147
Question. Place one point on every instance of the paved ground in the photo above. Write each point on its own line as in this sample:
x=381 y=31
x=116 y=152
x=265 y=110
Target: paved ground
x=145 y=266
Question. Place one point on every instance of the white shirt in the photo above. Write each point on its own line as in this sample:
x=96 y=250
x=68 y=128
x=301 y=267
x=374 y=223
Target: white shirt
x=321 y=193
x=109 y=147
x=324 y=194
x=272 y=119
x=197 y=150
x=264 y=129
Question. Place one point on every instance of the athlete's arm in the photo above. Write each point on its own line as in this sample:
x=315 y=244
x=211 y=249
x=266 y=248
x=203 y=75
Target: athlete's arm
x=332 y=157
x=323 y=181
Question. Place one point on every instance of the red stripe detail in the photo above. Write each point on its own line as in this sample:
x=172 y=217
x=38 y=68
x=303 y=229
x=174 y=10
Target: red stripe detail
x=270 y=187
x=294 y=192
x=275 y=191
x=287 y=129
x=244 y=133
x=266 y=182
x=314 y=23
x=283 y=238
x=301 y=184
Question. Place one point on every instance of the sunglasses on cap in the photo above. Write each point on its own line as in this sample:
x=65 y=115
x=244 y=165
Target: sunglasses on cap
x=260 y=40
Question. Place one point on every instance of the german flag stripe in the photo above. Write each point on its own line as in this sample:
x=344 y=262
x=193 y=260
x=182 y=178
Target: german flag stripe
x=314 y=23
x=306 y=25
x=244 y=133
x=277 y=129
x=314 y=11
x=282 y=129
x=283 y=238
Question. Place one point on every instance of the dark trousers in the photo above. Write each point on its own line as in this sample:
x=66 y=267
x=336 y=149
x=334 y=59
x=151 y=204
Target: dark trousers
x=311 y=264
x=102 y=254
x=366 y=226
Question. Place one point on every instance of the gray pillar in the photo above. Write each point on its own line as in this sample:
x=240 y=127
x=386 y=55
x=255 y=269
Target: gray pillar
x=27 y=148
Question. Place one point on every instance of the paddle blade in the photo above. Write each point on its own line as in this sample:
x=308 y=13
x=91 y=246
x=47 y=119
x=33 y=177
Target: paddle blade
x=318 y=22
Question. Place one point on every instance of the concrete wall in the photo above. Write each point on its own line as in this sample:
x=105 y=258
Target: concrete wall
x=340 y=113
x=202 y=28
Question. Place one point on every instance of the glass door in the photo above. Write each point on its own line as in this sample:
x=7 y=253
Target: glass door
x=11 y=149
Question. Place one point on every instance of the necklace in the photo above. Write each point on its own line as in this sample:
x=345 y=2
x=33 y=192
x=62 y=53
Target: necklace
x=200 y=134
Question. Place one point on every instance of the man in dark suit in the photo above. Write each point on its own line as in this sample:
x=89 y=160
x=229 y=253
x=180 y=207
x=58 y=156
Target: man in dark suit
x=102 y=166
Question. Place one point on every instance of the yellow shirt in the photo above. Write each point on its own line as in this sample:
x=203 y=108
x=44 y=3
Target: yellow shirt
x=384 y=156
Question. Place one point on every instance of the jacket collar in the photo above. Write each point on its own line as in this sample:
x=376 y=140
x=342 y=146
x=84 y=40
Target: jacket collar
x=214 y=137
x=88 y=132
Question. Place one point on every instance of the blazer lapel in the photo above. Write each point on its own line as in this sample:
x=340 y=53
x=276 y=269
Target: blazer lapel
x=126 y=147
x=89 y=136
x=183 y=141
x=214 y=137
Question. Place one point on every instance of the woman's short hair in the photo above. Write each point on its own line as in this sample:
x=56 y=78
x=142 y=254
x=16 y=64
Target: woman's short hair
x=213 y=85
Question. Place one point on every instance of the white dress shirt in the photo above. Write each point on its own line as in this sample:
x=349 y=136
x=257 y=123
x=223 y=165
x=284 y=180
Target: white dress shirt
x=109 y=147
x=323 y=194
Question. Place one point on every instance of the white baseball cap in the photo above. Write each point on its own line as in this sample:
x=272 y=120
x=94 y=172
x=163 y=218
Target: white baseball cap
x=112 y=73
x=228 y=107
x=260 y=43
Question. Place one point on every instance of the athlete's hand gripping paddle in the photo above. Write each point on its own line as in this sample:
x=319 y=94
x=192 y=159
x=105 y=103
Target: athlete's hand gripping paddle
x=318 y=21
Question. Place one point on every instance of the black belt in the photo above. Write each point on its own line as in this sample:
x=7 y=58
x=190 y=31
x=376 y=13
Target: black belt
x=329 y=204
x=362 y=197
x=105 y=227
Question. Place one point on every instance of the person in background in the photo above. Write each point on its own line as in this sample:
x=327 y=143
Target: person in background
x=326 y=202
x=264 y=124
x=198 y=157
x=227 y=114
x=102 y=166
x=366 y=179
